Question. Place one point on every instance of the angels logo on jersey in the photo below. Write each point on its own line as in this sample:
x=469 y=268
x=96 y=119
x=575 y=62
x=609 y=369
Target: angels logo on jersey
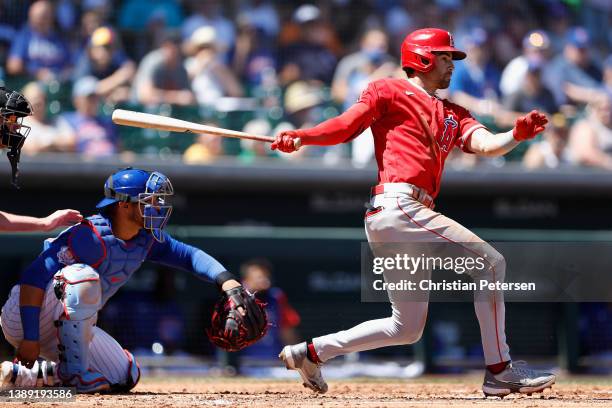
x=450 y=126
x=65 y=256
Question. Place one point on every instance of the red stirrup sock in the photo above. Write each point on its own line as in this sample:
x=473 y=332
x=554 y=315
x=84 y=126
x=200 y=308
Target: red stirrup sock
x=498 y=368
x=312 y=354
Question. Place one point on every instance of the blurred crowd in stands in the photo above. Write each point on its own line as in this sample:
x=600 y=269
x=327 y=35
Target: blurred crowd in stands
x=263 y=66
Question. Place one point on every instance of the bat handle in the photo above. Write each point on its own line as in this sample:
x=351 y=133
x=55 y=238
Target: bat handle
x=297 y=143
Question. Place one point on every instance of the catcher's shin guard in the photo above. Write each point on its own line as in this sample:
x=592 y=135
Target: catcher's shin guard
x=78 y=287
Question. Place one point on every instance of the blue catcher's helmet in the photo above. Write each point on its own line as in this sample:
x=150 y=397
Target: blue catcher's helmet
x=152 y=190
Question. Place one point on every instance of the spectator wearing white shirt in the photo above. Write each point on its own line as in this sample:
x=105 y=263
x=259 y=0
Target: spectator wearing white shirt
x=591 y=138
x=210 y=78
x=552 y=151
x=536 y=48
x=45 y=135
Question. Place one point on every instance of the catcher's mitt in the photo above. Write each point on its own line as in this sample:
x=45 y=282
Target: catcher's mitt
x=230 y=329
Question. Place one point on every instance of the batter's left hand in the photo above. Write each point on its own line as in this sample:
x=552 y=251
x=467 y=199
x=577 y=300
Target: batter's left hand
x=61 y=218
x=287 y=141
x=528 y=126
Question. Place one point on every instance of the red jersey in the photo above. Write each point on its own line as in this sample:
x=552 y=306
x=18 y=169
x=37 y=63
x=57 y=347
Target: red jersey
x=401 y=116
x=404 y=149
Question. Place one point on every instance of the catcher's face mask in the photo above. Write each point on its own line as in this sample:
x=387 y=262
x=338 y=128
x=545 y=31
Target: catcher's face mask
x=13 y=133
x=154 y=204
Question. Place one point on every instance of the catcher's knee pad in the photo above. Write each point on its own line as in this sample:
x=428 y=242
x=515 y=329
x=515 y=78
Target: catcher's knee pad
x=133 y=375
x=78 y=288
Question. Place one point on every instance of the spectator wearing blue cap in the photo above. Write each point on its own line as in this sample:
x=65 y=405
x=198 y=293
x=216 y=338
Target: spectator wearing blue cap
x=572 y=76
x=138 y=15
x=536 y=49
x=371 y=62
x=475 y=83
x=476 y=76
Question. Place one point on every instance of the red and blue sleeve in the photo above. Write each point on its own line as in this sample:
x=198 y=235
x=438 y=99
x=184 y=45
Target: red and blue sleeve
x=79 y=244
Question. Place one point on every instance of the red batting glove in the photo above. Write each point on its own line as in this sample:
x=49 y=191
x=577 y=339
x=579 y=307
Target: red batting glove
x=528 y=126
x=285 y=141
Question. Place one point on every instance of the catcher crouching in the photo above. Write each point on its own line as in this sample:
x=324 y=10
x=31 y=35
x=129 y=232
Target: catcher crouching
x=53 y=310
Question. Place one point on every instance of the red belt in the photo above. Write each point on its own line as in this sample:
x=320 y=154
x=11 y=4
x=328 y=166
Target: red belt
x=413 y=191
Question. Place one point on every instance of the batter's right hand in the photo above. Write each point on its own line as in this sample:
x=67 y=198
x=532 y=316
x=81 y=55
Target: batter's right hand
x=28 y=352
x=528 y=126
x=286 y=141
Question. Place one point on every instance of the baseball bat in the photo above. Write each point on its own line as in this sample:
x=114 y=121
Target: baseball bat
x=159 y=122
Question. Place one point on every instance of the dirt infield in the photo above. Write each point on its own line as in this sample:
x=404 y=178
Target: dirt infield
x=435 y=391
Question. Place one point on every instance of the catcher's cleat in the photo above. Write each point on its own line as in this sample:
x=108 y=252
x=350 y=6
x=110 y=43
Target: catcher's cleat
x=516 y=378
x=295 y=358
x=87 y=382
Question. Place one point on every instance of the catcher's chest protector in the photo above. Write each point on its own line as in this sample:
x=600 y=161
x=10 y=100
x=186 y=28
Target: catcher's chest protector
x=122 y=259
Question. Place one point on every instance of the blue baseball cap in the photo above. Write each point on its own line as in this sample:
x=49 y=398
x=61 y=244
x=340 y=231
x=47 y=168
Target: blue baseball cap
x=475 y=37
x=124 y=186
x=578 y=37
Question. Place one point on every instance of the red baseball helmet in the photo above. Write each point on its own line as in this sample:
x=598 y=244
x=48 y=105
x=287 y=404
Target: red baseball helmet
x=418 y=48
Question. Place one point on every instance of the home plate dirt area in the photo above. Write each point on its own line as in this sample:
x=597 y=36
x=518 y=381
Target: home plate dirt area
x=454 y=391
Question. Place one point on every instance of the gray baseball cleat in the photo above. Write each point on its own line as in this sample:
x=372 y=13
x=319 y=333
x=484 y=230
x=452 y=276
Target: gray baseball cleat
x=295 y=358
x=516 y=378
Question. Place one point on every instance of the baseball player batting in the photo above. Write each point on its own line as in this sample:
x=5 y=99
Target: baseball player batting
x=53 y=310
x=414 y=131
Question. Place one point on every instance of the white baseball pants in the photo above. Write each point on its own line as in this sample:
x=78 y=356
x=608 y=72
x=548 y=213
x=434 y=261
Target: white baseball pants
x=402 y=219
x=106 y=355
